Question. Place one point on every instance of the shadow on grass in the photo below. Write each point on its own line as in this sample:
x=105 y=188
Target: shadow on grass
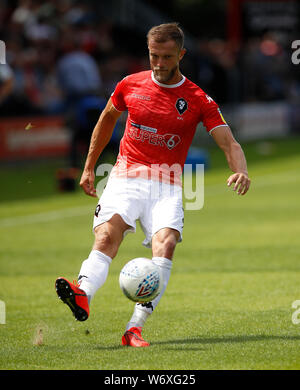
x=196 y=343
x=226 y=339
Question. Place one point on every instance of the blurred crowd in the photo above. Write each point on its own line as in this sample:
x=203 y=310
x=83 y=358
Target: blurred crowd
x=60 y=50
x=57 y=51
x=260 y=70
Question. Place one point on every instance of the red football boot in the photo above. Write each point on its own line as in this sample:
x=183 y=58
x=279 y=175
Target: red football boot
x=133 y=338
x=74 y=297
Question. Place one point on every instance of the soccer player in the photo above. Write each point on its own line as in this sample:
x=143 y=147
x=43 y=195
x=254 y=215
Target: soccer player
x=164 y=108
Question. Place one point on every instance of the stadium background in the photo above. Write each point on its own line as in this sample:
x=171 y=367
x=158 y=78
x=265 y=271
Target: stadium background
x=239 y=52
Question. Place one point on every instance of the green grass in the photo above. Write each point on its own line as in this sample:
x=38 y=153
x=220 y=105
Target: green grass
x=228 y=304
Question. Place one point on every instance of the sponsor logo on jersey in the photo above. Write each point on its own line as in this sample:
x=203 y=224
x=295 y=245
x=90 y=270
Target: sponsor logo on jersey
x=143 y=134
x=181 y=106
x=141 y=97
x=142 y=127
x=171 y=140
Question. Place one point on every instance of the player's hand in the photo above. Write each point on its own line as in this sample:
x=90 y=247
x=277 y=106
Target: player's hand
x=241 y=183
x=87 y=182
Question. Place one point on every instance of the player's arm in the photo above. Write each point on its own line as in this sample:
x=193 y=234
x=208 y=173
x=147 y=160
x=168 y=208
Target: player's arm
x=100 y=137
x=235 y=157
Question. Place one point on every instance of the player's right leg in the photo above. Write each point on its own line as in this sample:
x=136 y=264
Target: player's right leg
x=94 y=270
x=74 y=297
x=108 y=238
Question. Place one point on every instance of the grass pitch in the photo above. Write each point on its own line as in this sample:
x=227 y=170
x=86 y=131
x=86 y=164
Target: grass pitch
x=228 y=304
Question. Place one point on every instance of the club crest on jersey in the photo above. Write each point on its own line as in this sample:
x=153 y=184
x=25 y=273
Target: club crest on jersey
x=181 y=106
x=209 y=99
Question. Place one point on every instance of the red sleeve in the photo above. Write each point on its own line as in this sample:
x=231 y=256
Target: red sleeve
x=211 y=115
x=117 y=97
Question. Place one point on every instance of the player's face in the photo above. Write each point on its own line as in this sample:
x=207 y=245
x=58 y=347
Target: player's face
x=164 y=61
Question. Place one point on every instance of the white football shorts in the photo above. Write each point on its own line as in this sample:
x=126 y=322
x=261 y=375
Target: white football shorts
x=155 y=204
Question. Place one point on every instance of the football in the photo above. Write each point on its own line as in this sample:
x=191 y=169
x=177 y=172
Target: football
x=141 y=280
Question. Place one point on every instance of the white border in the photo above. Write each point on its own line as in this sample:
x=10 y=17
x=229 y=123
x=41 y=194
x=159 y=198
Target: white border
x=167 y=85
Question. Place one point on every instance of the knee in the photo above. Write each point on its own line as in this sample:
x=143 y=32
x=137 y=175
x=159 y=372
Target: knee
x=163 y=245
x=105 y=243
x=109 y=235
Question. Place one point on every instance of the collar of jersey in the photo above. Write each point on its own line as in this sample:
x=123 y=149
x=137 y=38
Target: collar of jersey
x=168 y=85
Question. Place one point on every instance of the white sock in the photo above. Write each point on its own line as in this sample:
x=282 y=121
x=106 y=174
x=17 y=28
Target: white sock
x=143 y=310
x=93 y=272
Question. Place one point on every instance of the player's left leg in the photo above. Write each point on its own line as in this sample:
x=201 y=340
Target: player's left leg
x=164 y=243
x=163 y=247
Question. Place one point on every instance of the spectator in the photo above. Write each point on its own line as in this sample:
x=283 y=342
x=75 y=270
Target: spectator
x=78 y=74
x=6 y=82
x=80 y=81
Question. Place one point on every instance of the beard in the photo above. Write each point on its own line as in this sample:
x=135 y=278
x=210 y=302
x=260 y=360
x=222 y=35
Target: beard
x=164 y=76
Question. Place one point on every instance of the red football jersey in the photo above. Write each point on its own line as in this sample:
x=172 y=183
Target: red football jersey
x=162 y=119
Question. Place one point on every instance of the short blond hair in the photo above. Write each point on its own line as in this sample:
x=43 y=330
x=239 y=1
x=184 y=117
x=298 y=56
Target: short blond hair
x=167 y=32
